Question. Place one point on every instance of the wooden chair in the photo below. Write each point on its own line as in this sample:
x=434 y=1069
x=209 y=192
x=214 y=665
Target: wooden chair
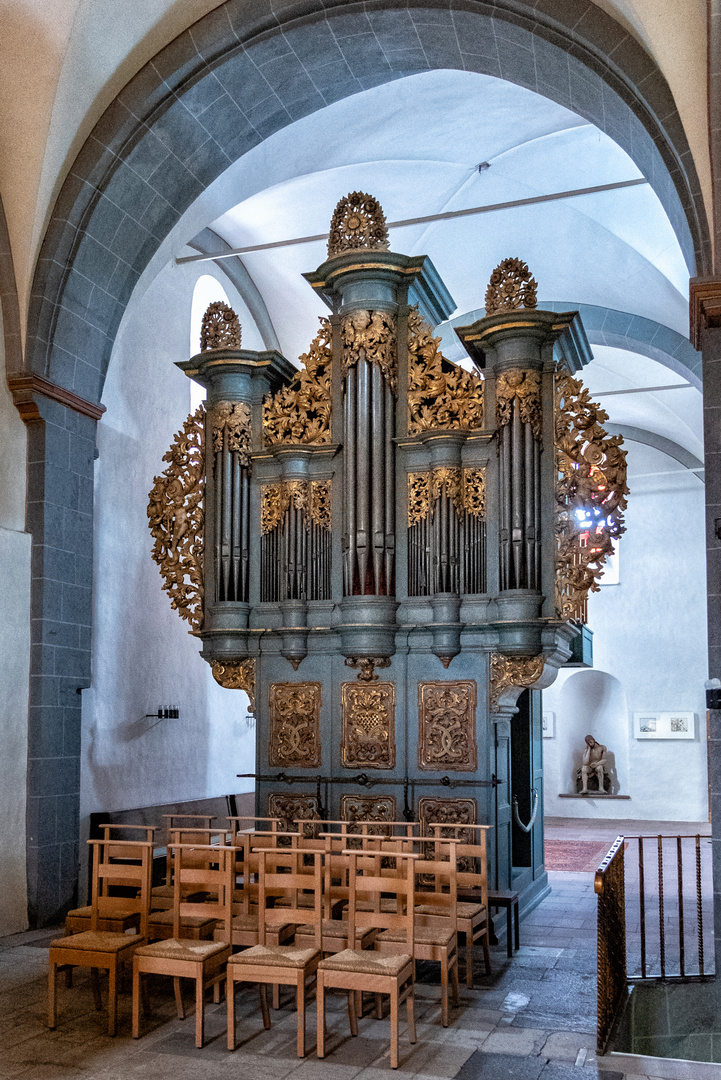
x=473 y=913
x=240 y=823
x=130 y=864
x=161 y=922
x=281 y=965
x=202 y=961
x=245 y=931
x=127 y=915
x=436 y=923
x=359 y=970
x=336 y=893
x=162 y=895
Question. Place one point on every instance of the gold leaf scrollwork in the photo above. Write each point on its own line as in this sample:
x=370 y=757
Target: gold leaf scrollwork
x=220 y=328
x=591 y=494
x=447 y=721
x=368 y=723
x=525 y=388
x=231 y=420
x=292 y=808
x=236 y=675
x=419 y=497
x=507 y=671
x=466 y=489
x=376 y=811
x=176 y=520
x=300 y=413
x=474 y=492
x=295 y=724
x=511 y=287
x=450 y=812
x=312 y=497
x=358 y=222
x=441 y=395
x=371 y=336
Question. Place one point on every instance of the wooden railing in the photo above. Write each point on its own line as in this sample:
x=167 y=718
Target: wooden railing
x=609 y=886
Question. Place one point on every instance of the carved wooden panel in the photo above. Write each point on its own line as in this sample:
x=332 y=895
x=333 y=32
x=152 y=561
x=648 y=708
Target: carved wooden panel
x=447 y=812
x=290 y=808
x=447 y=725
x=378 y=809
x=368 y=722
x=295 y=724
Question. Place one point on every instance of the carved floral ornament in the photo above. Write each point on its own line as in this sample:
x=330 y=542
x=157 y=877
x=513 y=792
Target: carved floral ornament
x=591 y=494
x=176 y=519
x=447 y=722
x=511 y=287
x=521 y=671
x=230 y=427
x=367 y=666
x=313 y=497
x=291 y=808
x=523 y=388
x=220 y=328
x=358 y=222
x=466 y=488
x=377 y=810
x=300 y=413
x=295 y=725
x=236 y=675
x=368 y=724
x=371 y=336
x=441 y=395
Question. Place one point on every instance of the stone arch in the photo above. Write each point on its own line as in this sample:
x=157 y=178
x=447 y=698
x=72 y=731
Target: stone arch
x=241 y=73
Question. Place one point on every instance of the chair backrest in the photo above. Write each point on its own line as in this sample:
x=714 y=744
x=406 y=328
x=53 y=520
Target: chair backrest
x=238 y=823
x=368 y=882
x=439 y=876
x=472 y=857
x=199 y=836
x=203 y=868
x=282 y=871
x=124 y=864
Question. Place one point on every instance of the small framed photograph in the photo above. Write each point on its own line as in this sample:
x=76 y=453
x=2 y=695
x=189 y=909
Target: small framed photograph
x=548 y=725
x=664 y=725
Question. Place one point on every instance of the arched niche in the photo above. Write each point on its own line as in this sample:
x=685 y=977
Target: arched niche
x=592 y=703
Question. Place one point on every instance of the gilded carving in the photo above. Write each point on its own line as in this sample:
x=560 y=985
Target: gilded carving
x=312 y=497
x=301 y=411
x=230 y=427
x=295 y=724
x=358 y=222
x=176 y=520
x=380 y=810
x=371 y=336
x=451 y=812
x=236 y=675
x=368 y=723
x=441 y=395
x=511 y=287
x=292 y=808
x=220 y=328
x=367 y=665
x=466 y=489
x=591 y=494
x=525 y=388
x=507 y=671
x=447 y=722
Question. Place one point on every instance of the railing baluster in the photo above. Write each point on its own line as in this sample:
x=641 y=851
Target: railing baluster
x=699 y=904
x=642 y=906
x=609 y=886
x=681 y=932
x=661 y=927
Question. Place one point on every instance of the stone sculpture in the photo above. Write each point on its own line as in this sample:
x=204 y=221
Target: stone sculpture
x=594 y=766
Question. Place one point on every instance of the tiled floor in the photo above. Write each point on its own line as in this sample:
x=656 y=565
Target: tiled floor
x=532 y=1019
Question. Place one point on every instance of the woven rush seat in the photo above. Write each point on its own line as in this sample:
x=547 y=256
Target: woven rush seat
x=182 y=949
x=424 y=935
x=275 y=956
x=118 y=913
x=192 y=922
x=250 y=923
x=336 y=928
x=366 y=962
x=387 y=907
x=96 y=941
x=465 y=911
x=165 y=893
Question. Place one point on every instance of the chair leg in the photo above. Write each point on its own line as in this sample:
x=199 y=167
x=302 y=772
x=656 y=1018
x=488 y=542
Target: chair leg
x=230 y=1002
x=320 y=1009
x=487 y=954
x=469 y=960
x=137 y=991
x=410 y=1005
x=454 y=975
x=444 y=992
x=394 y=1027
x=97 y=996
x=352 y=1017
x=379 y=1006
x=52 y=996
x=276 y=995
x=199 y=1010
x=68 y=976
x=178 y=991
x=264 y=1006
x=300 y=1007
x=112 y=998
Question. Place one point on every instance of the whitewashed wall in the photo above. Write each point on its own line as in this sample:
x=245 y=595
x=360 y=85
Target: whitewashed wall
x=650 y=641
x=143 y=656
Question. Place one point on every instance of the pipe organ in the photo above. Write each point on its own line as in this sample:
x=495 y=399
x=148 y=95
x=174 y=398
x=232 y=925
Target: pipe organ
x=383 y=548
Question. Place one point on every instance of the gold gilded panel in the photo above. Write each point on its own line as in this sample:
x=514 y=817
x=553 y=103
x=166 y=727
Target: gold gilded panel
x=291 y=808
x=368 y=723
x=295 y=724
x=447 y=723
x=452 y=812
x=379 y=810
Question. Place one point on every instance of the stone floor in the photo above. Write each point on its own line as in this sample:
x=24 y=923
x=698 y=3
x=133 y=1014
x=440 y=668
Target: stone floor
x=532 y=1019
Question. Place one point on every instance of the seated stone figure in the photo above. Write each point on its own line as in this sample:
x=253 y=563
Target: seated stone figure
x=593 y=769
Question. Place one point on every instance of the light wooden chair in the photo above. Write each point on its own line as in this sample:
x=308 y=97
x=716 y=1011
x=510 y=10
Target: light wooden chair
x=127 y=915
x=245 y=930
x=473 y=914
x=360 y=970
x=281 y=965
x=202 y=961
x=436 y=923
x=161 y=922
x=130 y=865
x=336 y=893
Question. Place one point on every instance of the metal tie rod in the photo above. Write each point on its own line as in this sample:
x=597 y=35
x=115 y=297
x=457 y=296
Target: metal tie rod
x=368 y=781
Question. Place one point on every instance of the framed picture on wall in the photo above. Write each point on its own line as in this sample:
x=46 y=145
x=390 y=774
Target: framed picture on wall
x=664 y=725
x=548 y=725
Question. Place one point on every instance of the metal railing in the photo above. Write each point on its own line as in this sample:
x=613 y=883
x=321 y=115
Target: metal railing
x=609 y=886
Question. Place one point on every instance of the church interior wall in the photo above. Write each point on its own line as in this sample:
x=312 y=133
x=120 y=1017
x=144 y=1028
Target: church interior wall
x=649 y=645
